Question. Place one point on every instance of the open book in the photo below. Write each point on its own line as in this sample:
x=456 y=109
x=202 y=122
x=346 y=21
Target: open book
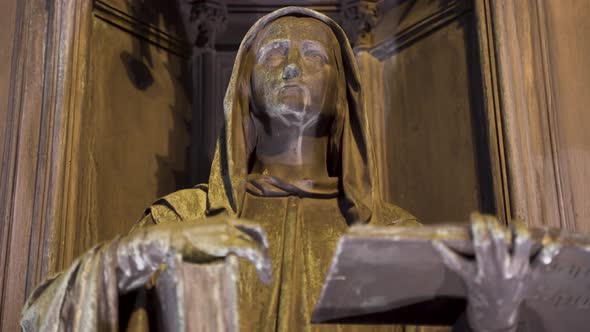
x=393 y=275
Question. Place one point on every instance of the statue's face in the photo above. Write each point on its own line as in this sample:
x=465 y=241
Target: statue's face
x=294 y=79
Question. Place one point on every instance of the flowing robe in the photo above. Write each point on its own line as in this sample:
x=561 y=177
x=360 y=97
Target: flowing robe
x=303 y=223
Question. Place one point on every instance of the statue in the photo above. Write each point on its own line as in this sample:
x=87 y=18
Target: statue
x=293 y=157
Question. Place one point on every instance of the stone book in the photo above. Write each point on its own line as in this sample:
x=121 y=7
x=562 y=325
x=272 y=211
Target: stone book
x=393 y=275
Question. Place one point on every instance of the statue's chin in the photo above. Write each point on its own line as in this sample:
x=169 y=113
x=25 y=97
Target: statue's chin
x=292 y=103
x=292 y=112
x=288 y=115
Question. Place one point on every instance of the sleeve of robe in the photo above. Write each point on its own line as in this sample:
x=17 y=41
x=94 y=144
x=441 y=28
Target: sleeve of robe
x=85 y=297
x=393 y=215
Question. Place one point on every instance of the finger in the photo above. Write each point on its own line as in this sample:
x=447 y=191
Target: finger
x=219 y=237
x=258 y=258
x=219 y=245
x=197 y=229
x=242 y=223
x=522 y=244
x=547 y=254
x=498 y=235
x=215 y=246
x=455 y=262
x=252 y=233
x=482 y=243
x=221 y=231
x=242 y=245
x=215 y=238
x=255 y=232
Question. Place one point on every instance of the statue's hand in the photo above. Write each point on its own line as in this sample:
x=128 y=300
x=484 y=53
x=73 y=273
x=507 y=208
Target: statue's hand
x=496 y=282
x=141 y=254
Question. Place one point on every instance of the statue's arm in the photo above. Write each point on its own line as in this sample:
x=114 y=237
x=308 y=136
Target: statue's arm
x=67 y=301
x=87 y=293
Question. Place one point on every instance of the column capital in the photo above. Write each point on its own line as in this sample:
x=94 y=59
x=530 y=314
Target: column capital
x=359 y=17
x=202 y=20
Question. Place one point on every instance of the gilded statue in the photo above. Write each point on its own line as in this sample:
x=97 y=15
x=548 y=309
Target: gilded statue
x=293 y=170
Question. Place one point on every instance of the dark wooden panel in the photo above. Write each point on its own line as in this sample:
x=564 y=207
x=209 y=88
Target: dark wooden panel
x=569 y=65
x=11 y=289
x=136 y=133
x=402 y=16
x=432 y=148
x=8 y=17
x=409 y=21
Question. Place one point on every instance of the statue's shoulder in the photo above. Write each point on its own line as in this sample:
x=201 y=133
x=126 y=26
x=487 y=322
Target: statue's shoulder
x=179 y=206
x=393 y=215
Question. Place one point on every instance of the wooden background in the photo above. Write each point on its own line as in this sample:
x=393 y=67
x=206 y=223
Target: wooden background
x=107 y=105
x=435 y=162
x=134 y=126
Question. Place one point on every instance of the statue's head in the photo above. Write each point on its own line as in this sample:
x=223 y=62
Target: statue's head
x=295 y=67
x=297 y=73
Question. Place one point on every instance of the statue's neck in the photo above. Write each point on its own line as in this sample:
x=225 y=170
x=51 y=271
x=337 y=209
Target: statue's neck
x=291 y=153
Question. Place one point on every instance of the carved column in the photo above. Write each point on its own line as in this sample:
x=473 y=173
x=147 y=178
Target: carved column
x=202 y=19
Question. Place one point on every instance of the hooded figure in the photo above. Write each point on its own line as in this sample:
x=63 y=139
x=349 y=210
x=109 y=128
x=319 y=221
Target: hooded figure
x=293 y=157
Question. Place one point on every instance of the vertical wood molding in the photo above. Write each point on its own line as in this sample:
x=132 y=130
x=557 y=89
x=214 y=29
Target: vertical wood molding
x=372 y=80
x=567 y=53
x=491 y=99
x=33 y=199
x=20 y=131
x=74 y=49
x=525 y=100
x=561 y=180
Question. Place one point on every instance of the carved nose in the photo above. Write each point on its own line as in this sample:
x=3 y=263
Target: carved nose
x=291 y=71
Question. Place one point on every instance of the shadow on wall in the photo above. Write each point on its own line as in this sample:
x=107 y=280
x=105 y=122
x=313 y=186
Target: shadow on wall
x=139 y=64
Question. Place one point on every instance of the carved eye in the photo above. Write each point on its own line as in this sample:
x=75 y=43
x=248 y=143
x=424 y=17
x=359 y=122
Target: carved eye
x=277 y=53
x=316 y=56
x=273 y=56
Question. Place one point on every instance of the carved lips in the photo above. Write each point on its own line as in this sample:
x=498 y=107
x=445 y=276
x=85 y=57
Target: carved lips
x=292 y=89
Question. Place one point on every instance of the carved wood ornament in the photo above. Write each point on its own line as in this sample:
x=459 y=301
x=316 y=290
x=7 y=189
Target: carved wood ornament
x=203 y=19
x=359 y=17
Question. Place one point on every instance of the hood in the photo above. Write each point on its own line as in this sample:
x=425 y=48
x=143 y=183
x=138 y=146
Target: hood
x=352 y=150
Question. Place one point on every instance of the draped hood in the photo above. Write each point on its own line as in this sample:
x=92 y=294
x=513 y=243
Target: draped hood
x=353 y=152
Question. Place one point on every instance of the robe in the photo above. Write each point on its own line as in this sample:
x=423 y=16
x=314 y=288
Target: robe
x=302 y=226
